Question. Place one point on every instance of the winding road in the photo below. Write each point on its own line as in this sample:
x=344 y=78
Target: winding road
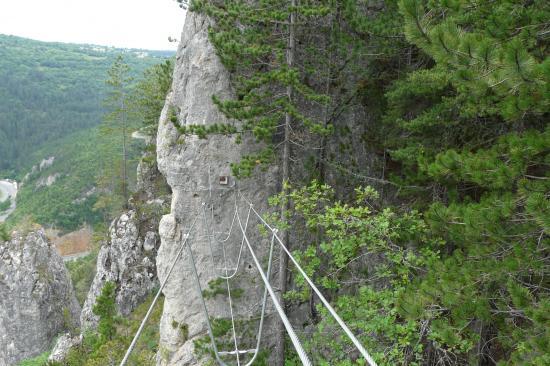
x=8 y=189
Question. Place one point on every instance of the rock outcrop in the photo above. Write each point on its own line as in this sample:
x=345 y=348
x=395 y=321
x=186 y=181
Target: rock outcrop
x=194 y=169
x=63 y=345
x=8 y=190
x=37 y=300
x=47 y=181
x=128 y=260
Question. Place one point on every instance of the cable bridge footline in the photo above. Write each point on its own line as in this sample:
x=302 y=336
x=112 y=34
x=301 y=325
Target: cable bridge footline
x=226 y=273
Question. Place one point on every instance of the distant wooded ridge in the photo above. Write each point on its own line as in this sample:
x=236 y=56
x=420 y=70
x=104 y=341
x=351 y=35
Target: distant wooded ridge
x=50 y=90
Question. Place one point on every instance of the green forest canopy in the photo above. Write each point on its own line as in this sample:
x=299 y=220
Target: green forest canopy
x=49 y=90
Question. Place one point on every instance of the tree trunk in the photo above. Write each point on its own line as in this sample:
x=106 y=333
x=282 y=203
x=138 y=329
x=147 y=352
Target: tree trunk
x=124 y=157
x=283 y=259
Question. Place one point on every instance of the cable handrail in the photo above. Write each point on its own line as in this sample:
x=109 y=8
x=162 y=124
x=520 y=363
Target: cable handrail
x=291 y=333
x=150 y=310
x=226 y=276
x=331 y=310
x=236 y=352
x=268 y=289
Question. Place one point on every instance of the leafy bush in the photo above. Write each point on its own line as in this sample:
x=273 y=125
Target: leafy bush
x=4 y=234
x=96 y=350
x=5 y=204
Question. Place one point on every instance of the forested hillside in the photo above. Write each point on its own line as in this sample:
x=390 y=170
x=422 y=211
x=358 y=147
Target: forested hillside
x=68 y=201
x=49 y=90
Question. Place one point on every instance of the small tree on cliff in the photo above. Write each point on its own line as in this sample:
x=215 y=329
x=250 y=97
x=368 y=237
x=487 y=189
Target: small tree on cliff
x=115 y=128
x=106 y=310
x=149 y=95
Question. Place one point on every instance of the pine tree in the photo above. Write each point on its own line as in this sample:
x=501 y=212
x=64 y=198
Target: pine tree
x=105 y=309
x=115 y=123
x=476 y=129
x=148 y=96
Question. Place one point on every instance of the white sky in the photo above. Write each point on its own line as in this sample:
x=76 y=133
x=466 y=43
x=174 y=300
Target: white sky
x=143 y=24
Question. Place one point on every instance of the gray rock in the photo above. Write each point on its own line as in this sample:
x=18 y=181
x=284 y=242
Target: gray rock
x=46 y=163
x=127 y=258
x=47 y=181
x=85 y=196
x=124 y=261
x=149 y=178
x=63 y=345
x=37 y=299
x=150 y=242
x=193 y=168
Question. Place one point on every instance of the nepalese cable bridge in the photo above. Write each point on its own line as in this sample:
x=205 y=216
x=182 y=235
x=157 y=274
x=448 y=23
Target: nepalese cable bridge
x=240 y=227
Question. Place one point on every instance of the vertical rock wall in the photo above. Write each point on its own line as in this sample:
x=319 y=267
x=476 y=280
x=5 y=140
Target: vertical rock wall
x=193 y=168
x=37 y=300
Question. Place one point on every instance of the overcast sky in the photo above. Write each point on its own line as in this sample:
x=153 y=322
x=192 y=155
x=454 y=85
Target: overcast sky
x=143 y=24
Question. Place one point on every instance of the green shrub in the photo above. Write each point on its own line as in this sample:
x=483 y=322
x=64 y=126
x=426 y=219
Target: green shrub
x=105 y=308
x=5 y=205
x=4 y=234
x=40 y=360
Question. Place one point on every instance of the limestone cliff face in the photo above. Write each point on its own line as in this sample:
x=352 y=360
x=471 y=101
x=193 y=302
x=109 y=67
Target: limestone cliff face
x=193 y=168
x=37 y=300
x=127 y=258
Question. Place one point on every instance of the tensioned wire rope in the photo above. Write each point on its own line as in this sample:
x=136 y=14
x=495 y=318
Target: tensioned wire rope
x=268 y=289
x=209 y=235
x=265 y=277
x=237 y=352
x=227 y=276
x=150 y=310
x=331 y=310
x=294 y=338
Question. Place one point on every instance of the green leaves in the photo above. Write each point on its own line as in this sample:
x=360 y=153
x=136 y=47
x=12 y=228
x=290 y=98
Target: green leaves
x=4 y=234
x=457 y=102
x=105 y=309
x=365 y=245
x=499 y=167
x=149 y=95
x=492 y=47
